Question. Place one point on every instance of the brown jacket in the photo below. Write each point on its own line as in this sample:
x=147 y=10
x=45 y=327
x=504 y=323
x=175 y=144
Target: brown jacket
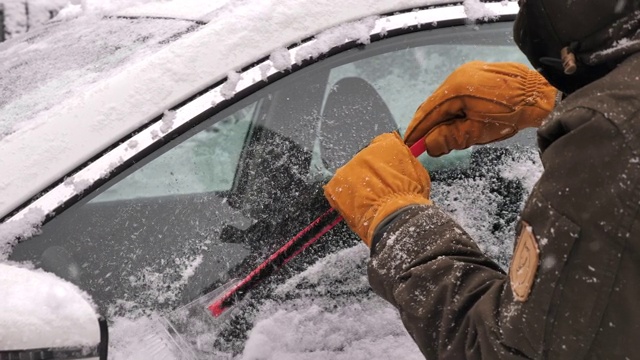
x=584 y=214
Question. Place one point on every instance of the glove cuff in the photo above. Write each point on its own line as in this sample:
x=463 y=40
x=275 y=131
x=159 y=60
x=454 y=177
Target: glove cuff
x=539 y=92
x=540 y=100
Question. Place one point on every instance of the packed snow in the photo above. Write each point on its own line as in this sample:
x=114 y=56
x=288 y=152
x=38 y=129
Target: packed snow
x=229 y=87
x=477 y=10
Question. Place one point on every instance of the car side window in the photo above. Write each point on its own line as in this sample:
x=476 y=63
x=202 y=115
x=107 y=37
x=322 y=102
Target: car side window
x=206 y=162
x=141 y=237
x=406 y=77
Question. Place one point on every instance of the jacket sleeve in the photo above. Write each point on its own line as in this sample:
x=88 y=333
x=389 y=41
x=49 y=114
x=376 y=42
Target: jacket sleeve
x=448 y=293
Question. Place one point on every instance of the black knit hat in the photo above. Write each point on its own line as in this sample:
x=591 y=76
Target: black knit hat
x=575 y=42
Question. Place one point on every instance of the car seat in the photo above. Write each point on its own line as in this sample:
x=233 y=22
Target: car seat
x=354 y=113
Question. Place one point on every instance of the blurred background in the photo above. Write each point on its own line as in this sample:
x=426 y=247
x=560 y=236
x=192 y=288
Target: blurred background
x=20 y=16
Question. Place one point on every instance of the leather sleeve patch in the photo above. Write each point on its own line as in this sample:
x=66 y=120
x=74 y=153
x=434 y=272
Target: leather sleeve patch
x=524 y=264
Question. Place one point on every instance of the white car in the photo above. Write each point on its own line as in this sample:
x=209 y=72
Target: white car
x=151 y=154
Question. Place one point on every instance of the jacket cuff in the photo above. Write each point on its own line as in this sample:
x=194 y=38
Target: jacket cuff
x=384 y=225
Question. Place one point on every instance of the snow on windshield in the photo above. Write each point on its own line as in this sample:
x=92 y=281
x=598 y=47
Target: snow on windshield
x=59 y=61
x=328 y=311
x=320 y=323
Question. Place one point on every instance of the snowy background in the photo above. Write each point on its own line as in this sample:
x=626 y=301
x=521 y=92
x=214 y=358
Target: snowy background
x=21 y=16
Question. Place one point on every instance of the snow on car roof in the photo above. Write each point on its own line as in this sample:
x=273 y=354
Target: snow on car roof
x=44 y=147
x=185 y=9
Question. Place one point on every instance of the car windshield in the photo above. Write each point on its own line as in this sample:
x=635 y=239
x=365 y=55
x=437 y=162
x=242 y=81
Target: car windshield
x=212 y=204
x=43 y=68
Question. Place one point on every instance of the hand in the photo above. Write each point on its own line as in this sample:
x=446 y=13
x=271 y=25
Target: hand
x=381 y=179
x=481 y=103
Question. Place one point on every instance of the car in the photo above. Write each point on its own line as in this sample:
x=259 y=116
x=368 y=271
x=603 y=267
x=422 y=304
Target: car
x=152 y=154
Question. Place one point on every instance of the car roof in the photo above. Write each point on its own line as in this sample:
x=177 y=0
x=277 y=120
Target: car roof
x=42 y=149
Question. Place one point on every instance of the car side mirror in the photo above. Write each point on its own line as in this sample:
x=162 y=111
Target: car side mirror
x=45 y=317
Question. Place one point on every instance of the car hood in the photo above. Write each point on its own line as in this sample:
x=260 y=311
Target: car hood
x=47 y=145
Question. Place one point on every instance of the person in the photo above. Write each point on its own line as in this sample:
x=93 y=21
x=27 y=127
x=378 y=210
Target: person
x=571 y=291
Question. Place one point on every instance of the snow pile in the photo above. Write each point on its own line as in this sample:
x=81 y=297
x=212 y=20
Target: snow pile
x=302 y=330
x=168 y=119
x=477 y=10
x=281 y=59
x=40 y=310
x=334 y=316
x=229 y=87
x=179 y=9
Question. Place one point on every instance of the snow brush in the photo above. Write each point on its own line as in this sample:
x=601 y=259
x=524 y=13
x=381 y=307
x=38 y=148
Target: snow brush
x=166 y=337
x=288 y=251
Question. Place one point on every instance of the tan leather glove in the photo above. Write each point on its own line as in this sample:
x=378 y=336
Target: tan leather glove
x=381 y=179
x=481 y=103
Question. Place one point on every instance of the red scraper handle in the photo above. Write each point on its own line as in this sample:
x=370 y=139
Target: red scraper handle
x=288 y=251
